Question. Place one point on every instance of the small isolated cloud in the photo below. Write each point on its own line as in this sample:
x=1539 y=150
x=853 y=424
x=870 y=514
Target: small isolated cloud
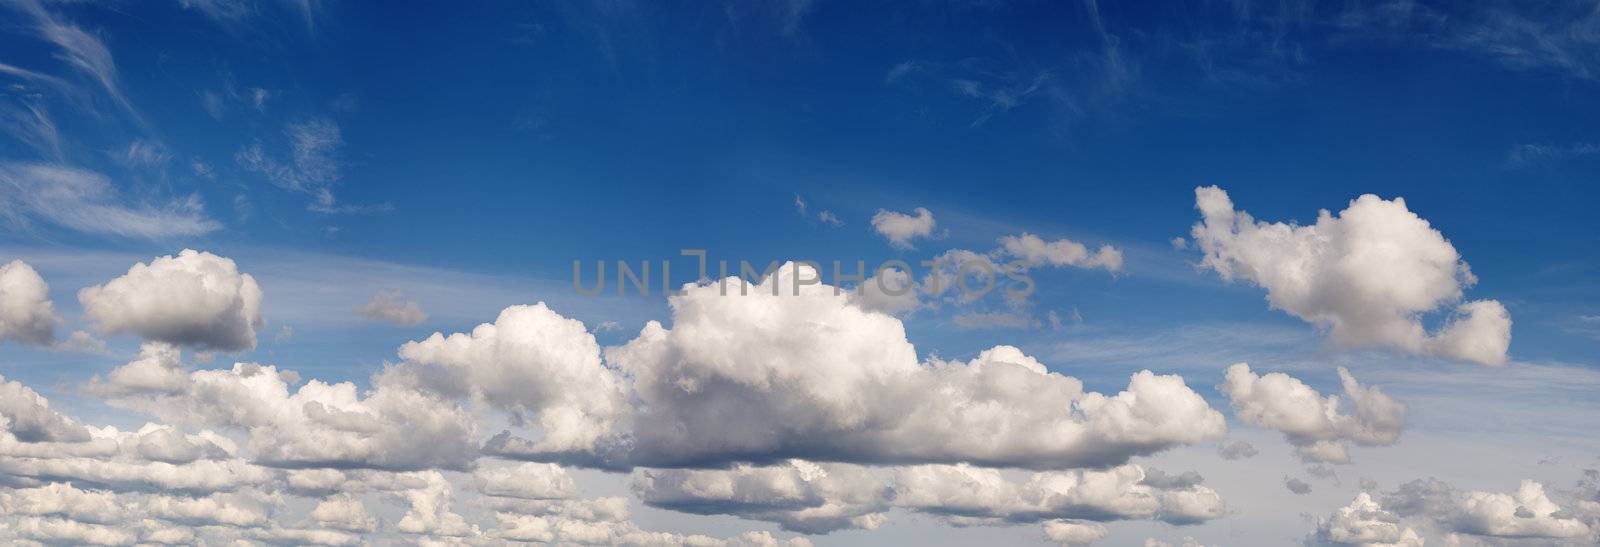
x=800 y=205
x=83 y=342
x=26 y=313
x=144 y=154
x=194 y=299
x=86 y=201
x=827 y=217
x=314 y=166
x=393 y=307
x=994 y=320
x=1064 y=532
x=1525 y=154
x=1062 y=252
x=901 y=228
x=1294 y=484
x=1237 y=450
x=1366 y=276
x=1311 y=422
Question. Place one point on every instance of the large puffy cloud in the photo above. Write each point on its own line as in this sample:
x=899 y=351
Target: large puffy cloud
x=543 y=368
x=761 y=375
x=1364 y=523
x=26 y=313
x=765 y=377
x=1365 y=275
x=194 y=299
x=1312 y=422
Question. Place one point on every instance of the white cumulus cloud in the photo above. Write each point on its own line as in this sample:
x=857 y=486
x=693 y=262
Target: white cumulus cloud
x=194 y=299
x=1366 y=275
x=26 y=313
x=1312 y=422
x=900 y=228
x=393 y=307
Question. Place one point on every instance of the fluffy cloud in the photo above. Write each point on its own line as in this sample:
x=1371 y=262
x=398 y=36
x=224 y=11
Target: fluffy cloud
x=1528 y=513
x=1073 y=533
x=392 y=307
x=764 y=377
x=66 y=483
x=194 y=299
x=159 y=369
x=26 y=314
x=1063 y=252
x=1118 y=493
x=1363 y=523
x=1312 y=422
x=543 y=368
x=530 y=481
x=27 y=417
x=343 y=512
x=1366 y=275
x=1237 y=450
x=62 y=500
x=316 y=425
x=901 y=228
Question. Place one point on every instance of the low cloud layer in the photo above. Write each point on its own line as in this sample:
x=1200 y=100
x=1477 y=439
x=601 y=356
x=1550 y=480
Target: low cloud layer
x=804 y=410
x=1401 y=517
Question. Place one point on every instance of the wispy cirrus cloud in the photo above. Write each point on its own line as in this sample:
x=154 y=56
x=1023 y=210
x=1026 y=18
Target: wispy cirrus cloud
x=80 y=49
x=86 y=201
x=314 y=166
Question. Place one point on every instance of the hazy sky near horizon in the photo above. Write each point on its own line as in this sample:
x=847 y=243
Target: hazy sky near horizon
x=303 y=272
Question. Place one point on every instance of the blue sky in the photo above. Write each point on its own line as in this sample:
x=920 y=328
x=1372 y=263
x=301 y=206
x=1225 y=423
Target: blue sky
x=464 y=156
